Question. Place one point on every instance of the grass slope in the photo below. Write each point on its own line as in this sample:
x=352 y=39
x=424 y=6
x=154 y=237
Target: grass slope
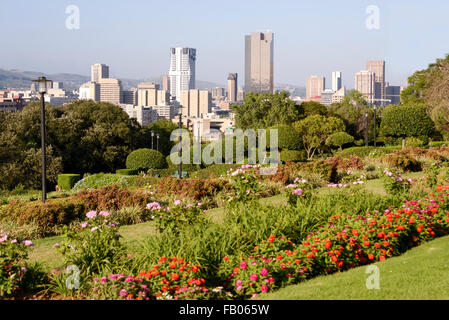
x=420 y=274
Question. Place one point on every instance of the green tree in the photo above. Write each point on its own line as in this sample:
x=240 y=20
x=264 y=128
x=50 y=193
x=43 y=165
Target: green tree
x=310 y=108
x=352 y=111
x=265 y=110
x=315 y=130
x=162 y=127
x=406 y=121
x=288 y=138
x=339 y=139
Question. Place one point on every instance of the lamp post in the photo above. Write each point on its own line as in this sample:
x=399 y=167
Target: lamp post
x=157 y=142
x=375 y=138
x=366 y=129
x=152 y=136
x=42 y=89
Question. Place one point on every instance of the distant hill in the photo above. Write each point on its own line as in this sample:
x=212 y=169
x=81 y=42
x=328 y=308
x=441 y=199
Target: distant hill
x=19 y=79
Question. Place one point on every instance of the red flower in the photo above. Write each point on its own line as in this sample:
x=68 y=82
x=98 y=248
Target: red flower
x=371 y=256
x=355 y=232
x=381 y=258
x=327 y=244
x=366 y=243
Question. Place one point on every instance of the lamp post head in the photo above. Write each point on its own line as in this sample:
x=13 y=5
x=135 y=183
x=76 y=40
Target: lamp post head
x=43 y=84
x=152 y=133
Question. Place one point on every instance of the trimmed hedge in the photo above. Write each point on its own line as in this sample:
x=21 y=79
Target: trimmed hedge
x=144 y=159
x=127 y=172
x=67 y=181
x=367 y=151
x=293 y=155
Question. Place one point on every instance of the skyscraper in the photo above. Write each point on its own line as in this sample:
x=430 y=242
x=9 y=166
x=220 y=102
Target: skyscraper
x=98 y=72
x=364 y=82
x=259 y=67
x=232 y=87
x=110 y=90
x=336 y=81
x=314 y=86
x=378 y=67
x=166 y=83
x=182 y=71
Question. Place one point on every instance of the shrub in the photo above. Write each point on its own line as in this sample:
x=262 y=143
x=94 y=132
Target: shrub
x=127 y=172
x=403 y=162
x=367 y=151
x=354 y=162
x=94 y=246
x=327 y=170
x=175 y=218
x=245 y=183
x=214 y=171
x=13 y=267
x=68 y=181
x=395 y=184
x=293 y=155
x=195 y=189
x=144 y=159
x=113 y=198
x=100 y=180
x=185 y=167
x=49 y=215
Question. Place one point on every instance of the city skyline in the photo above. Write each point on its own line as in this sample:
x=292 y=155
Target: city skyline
x=299 y=50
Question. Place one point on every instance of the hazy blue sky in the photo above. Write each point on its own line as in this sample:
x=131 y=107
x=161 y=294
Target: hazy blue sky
x=311 y=37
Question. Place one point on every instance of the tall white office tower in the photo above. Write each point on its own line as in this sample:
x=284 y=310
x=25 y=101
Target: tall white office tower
x=182 y=71
x=336 y=81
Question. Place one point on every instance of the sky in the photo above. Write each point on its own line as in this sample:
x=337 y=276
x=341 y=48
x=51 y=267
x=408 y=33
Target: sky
x=134 y=37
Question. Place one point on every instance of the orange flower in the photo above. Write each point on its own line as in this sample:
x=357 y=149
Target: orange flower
x=328 y=244
x=310 y=255
x=386 y=243
x=172 y=265
x=381 y=258
x=180 y=260
x=371 y=256
x=366 y=243
x=236 y=270
x=334 y=259
x=377 y=245
x=340 y=264
x=164 y=288
x=174 y=276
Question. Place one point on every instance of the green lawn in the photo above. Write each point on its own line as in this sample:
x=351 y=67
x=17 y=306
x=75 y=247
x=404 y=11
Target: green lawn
x=422 y=273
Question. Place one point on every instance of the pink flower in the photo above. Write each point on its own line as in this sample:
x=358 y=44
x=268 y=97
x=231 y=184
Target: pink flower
x=264 y=272
x=263 y=288
x=248 y=192
x=239 y=288
x=177 y=202
x=123 y=293
x=91 y=214
x=104 y=214
x=104 y=280
x=154 y=206
x=28 y=243
x=4 y=238
x=243 y=265
x=84 y=225
x=297 y=192
x=238 y=283
x=94 y=229
x=253 y=277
